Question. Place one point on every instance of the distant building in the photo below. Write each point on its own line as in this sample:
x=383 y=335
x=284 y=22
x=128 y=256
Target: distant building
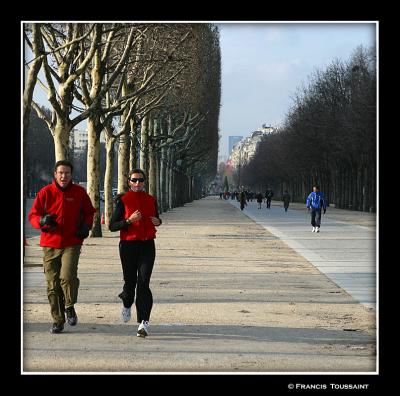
x=266 y=128
x=232 y=141
x=78 y=140
x=244 y=151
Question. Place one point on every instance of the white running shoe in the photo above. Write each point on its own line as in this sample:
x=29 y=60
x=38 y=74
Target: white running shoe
x=313 y=229
x=126 y=314
x=316 y=229
x=143 y=329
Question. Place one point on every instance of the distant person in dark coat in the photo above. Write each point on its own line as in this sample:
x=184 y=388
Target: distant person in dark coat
x=268 y=196
x=286 y=200
x=242 y=199
x=259 y=199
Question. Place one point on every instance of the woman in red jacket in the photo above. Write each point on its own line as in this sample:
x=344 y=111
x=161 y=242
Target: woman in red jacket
x=135 y=216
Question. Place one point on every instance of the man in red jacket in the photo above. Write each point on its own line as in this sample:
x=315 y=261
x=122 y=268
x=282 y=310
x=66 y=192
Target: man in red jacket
x=64 y=213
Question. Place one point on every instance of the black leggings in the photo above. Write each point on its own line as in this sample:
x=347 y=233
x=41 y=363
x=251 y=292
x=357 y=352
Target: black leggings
x=137 y=259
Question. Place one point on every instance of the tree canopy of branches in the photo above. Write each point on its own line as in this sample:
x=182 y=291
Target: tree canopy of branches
x=153 y=88
x=329 y=138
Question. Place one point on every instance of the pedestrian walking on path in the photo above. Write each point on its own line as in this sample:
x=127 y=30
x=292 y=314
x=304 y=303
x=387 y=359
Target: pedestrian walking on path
x=64 y=213
x=242 y=199
x=316 y=203
x=135 y=216
x=259 y=199
x=286 y=200
x=268 y=197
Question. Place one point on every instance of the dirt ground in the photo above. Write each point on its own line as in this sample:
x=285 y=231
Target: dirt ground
x=228 y=297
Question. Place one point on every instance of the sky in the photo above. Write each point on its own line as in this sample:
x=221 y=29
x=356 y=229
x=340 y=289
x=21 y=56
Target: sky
x=264 y=63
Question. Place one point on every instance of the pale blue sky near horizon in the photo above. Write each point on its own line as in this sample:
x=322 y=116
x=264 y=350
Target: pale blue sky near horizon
x=264 y=63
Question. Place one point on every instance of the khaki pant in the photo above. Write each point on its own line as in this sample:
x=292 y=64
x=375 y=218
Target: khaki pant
x=61 y=272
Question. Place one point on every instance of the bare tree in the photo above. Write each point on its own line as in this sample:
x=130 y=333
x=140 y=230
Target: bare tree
x=329 y=137
x=29 y=85
x=62 y=66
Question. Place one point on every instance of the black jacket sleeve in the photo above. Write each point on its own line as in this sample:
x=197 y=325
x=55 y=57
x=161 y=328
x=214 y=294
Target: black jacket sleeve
x=117 y=219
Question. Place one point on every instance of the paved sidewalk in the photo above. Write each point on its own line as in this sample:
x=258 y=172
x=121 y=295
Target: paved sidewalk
x=229 y=297
x=344 y=249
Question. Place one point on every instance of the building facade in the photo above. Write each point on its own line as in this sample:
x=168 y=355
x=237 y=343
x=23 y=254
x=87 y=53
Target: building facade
x=245 y=149
x=78 y=140
x=232 y=141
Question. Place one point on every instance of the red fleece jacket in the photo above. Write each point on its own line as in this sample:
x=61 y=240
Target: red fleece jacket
x=70 y=205
x=142 y=229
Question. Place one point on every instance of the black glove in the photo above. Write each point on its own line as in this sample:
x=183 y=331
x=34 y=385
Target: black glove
x=49 y=219
x=83 y=231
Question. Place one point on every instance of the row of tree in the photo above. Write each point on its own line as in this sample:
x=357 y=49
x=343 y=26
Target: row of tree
x=328 y=138
x=153 y=90
x=40 y=158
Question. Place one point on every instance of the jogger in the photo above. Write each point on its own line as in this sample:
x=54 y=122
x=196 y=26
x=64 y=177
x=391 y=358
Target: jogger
x=136 y=217
x=316 y=202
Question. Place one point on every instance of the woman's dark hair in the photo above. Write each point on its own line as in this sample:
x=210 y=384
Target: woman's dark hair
x=136 y=170
x=63 y=162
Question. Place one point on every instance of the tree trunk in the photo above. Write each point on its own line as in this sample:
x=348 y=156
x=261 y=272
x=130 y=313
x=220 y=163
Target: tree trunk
x=144 y=133
x=93 y=172
x=163 y=180
x=372 y=205
x=29 y=87
x=152 y=159
x=158 y=165
x=108 y=180
x=348 y=189
x=360 y=190
x=170 y=180
x=123 y=163
x=133 y=156
x=123 y=152
x=61 y=134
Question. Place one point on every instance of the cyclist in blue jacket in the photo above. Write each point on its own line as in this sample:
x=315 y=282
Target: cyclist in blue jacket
x=316 y=203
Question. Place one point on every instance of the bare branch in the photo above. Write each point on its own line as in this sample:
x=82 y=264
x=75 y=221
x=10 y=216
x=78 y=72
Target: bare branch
x=41 y=114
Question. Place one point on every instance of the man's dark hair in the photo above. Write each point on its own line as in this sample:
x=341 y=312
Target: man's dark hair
x=65 y=163
x=137 y=170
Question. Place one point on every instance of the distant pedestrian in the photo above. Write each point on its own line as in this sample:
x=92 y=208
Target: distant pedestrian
x=316 y=203
x=242 y=199
x=268 y=197
x=136 y=217
x=64 y=213
x=259 y=199
x=286 y=200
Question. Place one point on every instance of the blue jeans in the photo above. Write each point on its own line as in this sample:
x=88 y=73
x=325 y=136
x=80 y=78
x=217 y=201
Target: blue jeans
x=316 y=217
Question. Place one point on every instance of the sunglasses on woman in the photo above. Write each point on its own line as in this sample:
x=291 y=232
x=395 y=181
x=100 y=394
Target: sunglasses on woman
x=134 y=180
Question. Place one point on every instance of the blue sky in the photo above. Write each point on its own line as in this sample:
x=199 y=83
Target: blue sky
x=264 y=63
